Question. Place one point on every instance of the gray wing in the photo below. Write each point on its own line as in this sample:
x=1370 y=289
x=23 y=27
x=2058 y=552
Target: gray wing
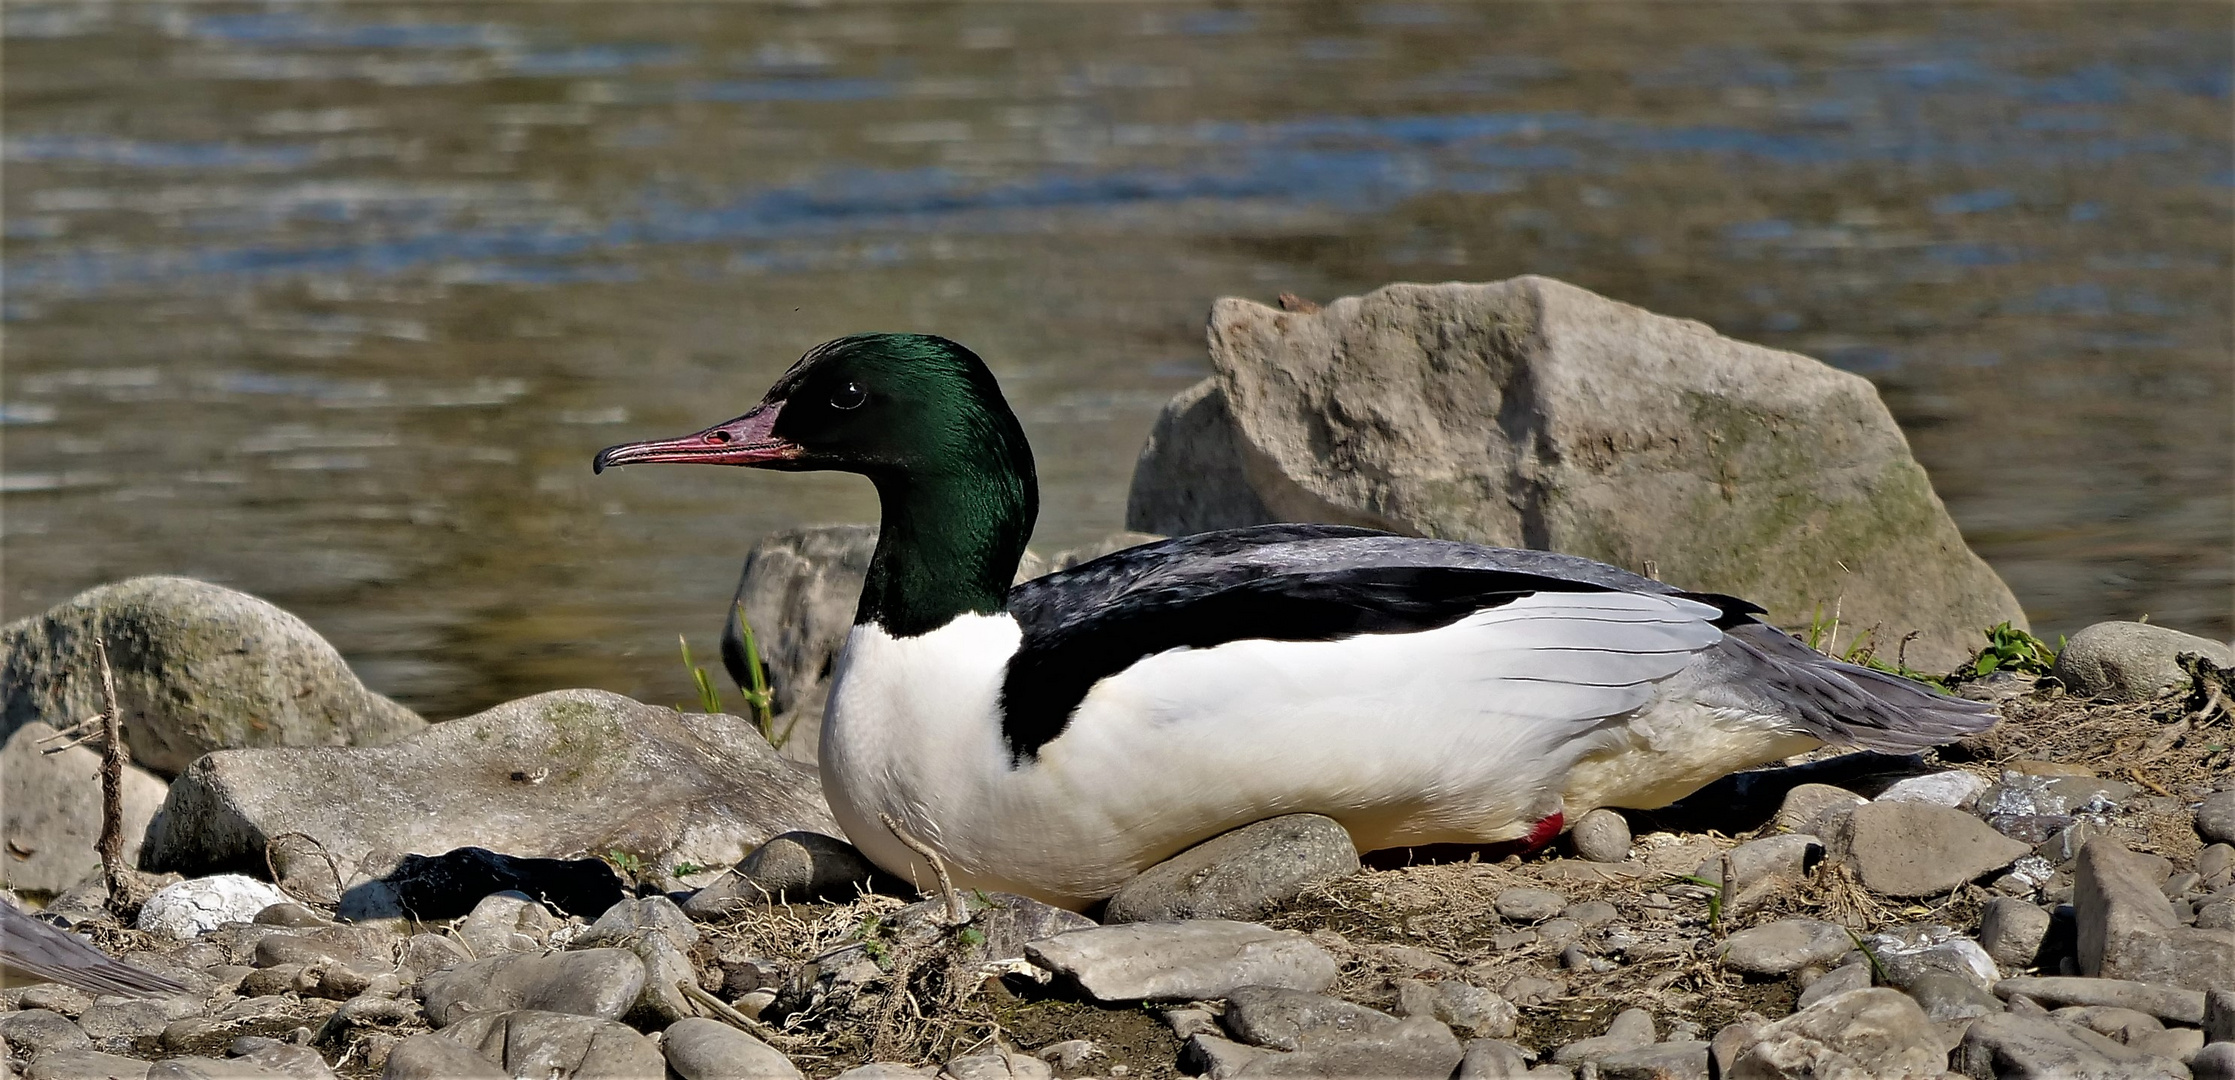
x=32 y=950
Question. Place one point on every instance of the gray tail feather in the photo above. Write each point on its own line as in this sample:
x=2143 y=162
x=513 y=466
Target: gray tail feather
x=1844 y=704
x=34 y=948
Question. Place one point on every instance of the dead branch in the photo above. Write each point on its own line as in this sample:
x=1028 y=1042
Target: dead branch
x=124 y=885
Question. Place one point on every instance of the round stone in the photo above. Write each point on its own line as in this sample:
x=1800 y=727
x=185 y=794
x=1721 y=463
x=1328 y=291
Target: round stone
x=1786 y=945
x=1602 y=836
x=2215 y=819
x=1529 y=905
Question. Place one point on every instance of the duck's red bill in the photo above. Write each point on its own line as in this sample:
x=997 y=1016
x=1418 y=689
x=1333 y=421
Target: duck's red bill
x=744 y=441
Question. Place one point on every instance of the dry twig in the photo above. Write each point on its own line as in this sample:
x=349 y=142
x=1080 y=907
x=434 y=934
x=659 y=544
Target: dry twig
x=124 y=886
x=957 y=914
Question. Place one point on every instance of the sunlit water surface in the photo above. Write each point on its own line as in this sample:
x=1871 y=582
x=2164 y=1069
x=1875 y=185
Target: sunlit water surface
x=332 y=302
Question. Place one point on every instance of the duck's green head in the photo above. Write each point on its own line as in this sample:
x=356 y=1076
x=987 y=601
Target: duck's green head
x=921 y=417
x=891 y=407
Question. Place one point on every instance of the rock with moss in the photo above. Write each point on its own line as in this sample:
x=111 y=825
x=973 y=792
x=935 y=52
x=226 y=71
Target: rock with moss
x=1530 y=413
x=552 y=775
x=199 y=667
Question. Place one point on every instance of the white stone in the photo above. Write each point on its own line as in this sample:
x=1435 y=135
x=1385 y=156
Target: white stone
x=1952 y=788
x=197 y=906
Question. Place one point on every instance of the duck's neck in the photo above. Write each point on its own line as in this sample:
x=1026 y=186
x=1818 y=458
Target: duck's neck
x=948 y=545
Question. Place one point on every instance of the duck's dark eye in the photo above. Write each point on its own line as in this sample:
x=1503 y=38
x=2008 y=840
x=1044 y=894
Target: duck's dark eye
x=849 y=396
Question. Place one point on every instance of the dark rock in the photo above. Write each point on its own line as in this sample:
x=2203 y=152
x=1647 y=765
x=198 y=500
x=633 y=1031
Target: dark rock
x=2012 y=1047
x=1601 y=836
x=2127 y=930
x=2215 y=818
x=1916 y=849
x=546 y=776
x=1190 y=961
x=1391 y=379
x=699 y=1049
x=527 y=1043
x=1872 y=1032
x=2164 y=1002
x=456 y=882
x=2219 y=1015
x=50 y=810
x=2214 y=1062
x=2012 y=931
x=198 y=667
x=2130 y=661
x=1680 y=1060
x=1786 y=945
x=1239 y=874
x=790 y=867
x=594 y=982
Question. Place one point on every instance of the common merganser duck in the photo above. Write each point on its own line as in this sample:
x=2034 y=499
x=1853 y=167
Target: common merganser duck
x=1056 y=738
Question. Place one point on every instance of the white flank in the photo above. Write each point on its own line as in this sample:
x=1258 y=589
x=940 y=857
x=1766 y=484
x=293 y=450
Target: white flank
x=1465 y=733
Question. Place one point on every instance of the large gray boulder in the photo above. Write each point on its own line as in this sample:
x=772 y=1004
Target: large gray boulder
x=199 y=667
x=798 y=590
x=50 y=811
x=552 y=775
x=1531 y=413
